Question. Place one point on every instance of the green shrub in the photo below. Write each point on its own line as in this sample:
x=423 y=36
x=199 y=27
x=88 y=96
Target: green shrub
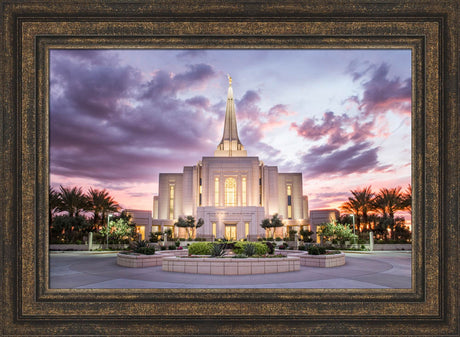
x=278 y=239
x=162 y=247
x=249 y=249
x=172 y=247
x=182 y=239
x=261 y=248
x=316 y=250
x=239 y=256
x=218 y=249
x=302 y=247
x=144 y=249
x=260 y=239
x=138 y=244
x=200 y=248
x=270 y=247
x=282 y=247
x=177 y=243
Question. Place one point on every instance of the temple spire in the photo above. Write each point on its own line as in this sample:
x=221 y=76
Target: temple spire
x=230 y=145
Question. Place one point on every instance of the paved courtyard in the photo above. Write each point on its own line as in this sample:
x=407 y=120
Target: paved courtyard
x=361 y=270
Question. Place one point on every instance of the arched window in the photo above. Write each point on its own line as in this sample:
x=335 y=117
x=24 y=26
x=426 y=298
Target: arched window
x=230 y=192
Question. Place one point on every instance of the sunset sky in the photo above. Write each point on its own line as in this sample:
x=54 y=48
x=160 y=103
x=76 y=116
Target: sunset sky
x=120 y=117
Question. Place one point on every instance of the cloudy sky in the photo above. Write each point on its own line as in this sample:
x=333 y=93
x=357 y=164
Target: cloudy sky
x=120 y=117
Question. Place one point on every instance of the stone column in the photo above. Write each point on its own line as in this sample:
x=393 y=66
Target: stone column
x=371 y=241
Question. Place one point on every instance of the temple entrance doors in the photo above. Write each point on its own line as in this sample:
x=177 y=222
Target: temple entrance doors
x=230 y=232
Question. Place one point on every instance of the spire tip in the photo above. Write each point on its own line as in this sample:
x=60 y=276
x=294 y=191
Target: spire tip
x=229 y=79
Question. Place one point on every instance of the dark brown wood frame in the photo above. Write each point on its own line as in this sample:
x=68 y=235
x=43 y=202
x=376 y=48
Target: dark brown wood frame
x=30 y=29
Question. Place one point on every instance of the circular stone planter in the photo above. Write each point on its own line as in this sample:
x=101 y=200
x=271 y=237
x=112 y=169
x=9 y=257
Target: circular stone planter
x=139 y=260
x=323 y=261
x=231 y=266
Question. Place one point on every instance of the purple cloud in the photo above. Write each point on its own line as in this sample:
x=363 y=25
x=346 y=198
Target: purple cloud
x=381 y=93
x=107 y=123
x=357 y=158
x=191 y=53
x=337 y=130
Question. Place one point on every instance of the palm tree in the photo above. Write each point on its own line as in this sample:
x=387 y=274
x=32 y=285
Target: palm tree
x=73 y=200
x=109 y=205
x=407 y=198
x=360 y=204
x=388 y=201
x=54 y=203
x=100 y=202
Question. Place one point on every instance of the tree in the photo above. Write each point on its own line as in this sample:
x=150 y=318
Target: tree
x=100 y=203
x=306 y=235
x=274 y=222
x=54 y=203
x=119 y=229
x=68 y=228
x=73 y=201
x=388 y=201
x=335 y=231
x=407 y=199
x=189 y=224
x=360 y=204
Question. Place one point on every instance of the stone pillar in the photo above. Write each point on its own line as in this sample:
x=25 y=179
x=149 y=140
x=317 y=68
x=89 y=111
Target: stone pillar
x=90 y=241
x=371 y=241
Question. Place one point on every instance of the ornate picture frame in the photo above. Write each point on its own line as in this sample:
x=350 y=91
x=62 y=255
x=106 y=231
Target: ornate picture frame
x=30 y=30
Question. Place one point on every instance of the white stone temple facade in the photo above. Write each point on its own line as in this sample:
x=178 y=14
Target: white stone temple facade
x=231 y=191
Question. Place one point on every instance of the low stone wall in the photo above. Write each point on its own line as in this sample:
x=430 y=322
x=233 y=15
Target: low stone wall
x=83 y=247
x=231 y=266
x=322 y=261
x=139 y=261
x=177 y=252
x=392 y=246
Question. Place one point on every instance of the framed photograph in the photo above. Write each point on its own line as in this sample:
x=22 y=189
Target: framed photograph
x=136 y=123
x=39 y=35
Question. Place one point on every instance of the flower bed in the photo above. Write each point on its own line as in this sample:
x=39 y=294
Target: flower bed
x=323 y=261
x=230 y=266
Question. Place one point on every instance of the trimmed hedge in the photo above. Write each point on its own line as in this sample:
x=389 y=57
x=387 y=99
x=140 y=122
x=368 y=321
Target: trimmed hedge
x=261 y=248
x=200 y=248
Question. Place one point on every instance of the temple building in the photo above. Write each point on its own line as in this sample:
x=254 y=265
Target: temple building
x=231 y=191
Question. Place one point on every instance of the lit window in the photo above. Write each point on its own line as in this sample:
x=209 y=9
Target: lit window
x=214 y=229
x=246 y=229
x=243 y=191
x=230 y=192
x=171 y=201
x=216 y=191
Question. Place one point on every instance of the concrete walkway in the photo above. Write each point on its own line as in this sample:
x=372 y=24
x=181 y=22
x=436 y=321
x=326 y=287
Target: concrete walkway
x=99 y=270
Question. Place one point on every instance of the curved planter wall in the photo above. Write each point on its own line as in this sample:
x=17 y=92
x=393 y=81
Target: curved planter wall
x=138 y=261
x=324 y=261
x=231 y=266
x=141 y=261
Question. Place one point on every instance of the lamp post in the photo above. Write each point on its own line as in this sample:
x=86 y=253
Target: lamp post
x=108 y=222
x=354 y=235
